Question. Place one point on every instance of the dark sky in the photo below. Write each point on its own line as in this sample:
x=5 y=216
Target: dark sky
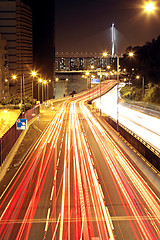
x=43 y=35
x=85 y=25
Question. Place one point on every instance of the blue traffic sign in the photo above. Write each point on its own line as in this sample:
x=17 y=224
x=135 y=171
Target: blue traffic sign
x=95 y=81
x=22 y=124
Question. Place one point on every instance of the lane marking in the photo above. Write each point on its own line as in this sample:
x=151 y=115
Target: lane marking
x=55 y=175
x=59 y=153
x=47 y=221
x=57 y=162
x=52 y=193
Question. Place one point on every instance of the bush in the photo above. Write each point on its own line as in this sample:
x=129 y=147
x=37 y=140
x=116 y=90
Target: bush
x=16 y=100
x=152 y=94
x=131 y=93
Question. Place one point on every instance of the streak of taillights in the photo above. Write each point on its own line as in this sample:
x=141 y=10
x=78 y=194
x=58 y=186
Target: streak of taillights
x=136 y=205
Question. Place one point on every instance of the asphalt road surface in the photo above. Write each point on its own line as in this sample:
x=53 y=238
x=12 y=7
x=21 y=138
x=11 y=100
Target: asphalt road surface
x=78 y=183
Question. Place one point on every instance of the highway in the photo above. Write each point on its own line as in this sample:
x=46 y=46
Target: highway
x=145 y=125
x=78 y=183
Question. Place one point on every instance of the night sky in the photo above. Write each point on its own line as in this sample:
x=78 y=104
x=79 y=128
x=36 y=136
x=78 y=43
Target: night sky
x=43 y=35
x=85 y=25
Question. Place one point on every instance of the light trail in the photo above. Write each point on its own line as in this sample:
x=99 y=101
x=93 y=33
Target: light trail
x=145 y=126
x=86 y=209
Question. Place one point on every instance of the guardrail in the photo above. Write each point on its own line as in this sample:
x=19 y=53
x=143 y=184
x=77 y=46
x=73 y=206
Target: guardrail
x=10 y=137
x=143 y=147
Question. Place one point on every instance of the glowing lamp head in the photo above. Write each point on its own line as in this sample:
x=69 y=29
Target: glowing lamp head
x=33 y=73
x=105 y=54
x=14 y=77
x=131 y=54
x=149 y=7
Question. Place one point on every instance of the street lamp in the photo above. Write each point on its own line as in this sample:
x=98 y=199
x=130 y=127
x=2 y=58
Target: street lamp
x=92 y=66
x=105 y=54
x=39 y=81
x=149 y=7
x=66 y=86
x=45 y=83
x=131 y=54
x=33 y=73
x=117 y=93
x=14 y=77
x=7 y=82
x=143 y=91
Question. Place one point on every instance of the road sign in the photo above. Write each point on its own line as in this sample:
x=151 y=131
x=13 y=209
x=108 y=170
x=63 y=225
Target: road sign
x=22 y=124
x=95 y=81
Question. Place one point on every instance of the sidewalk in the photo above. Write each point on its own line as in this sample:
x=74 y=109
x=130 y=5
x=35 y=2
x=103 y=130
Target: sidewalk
x=8 y=118
x=26 y=140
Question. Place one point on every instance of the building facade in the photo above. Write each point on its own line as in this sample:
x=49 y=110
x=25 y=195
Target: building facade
x=80 y=61
x=16 y=28
x=4 y=71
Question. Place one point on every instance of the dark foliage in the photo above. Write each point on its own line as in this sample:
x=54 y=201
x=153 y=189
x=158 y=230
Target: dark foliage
x=146 y=61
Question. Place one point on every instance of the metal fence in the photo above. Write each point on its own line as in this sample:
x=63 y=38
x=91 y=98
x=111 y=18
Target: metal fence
x=10 y=137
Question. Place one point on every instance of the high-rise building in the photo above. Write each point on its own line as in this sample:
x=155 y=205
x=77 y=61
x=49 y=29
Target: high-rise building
x=16 y=28
x=4 y=71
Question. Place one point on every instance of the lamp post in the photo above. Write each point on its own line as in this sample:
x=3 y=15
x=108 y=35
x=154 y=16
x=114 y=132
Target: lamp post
x=14 y=77
x=105 y=54
x=87 y=75
x=33 y=73
x=117 y=93
x=7 y=82
x=66 y=86
x=45 y=83
x=39 y=81
x=143 y=90
x=100 y=91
